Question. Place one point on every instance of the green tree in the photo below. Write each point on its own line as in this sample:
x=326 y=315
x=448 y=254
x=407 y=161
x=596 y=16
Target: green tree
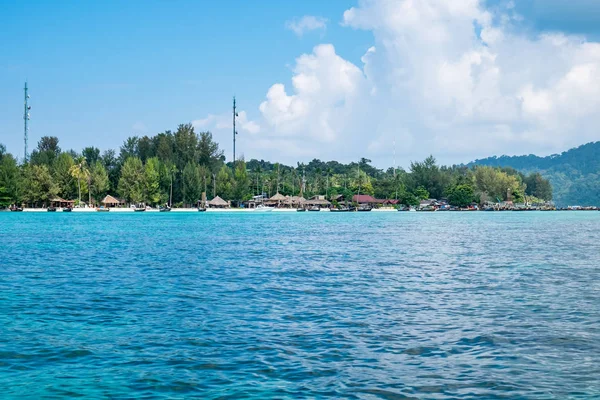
x=241 y=188
x=152 y=193
x=428 y=175
x=460 y=195
x=495 y=184
x=205 y=175
x=186 y=144
x=99 y=182
x=113 y=168
x=131 y=182
x=421 y=193
x=168 y=170
x=80 y=171
x=164 y=145
x=208 y=151
x=38 y=185
x=192 y=183
x=129 y=148
x=145 y=148
x=10 y=188
x=537 y=186
x=91 y=154
x=361 y=182
x=224 y=183
x=408 y=199
x=46 y=152
x=63 y=177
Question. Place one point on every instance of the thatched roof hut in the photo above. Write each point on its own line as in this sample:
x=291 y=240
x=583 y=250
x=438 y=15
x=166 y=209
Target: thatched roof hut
x=60 y=202
x=317 y=202
x=110 y=201
x=278 y=197
x=294 y=200
x=218 y=203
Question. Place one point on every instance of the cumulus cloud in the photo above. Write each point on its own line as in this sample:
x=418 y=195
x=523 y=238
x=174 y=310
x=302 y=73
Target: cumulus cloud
x=306 y=24
x=325 y=89
x=225 y=121
x=452 y=78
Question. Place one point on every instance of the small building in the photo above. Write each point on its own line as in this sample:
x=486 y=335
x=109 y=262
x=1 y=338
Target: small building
x=317 y=201
x=364 y=199
x=218 y=202
x=294 y=201
x=61 y=203
x=110 y=201
x=276 y=200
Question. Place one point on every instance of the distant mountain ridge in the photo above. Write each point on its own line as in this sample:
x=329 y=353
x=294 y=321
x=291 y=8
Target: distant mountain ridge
x=574 y=174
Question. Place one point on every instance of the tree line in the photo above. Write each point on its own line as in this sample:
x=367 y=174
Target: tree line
x=179 y=166
x=574 y=174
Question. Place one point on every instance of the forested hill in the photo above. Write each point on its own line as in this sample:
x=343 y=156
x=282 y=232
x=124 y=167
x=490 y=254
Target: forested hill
x=574 y=174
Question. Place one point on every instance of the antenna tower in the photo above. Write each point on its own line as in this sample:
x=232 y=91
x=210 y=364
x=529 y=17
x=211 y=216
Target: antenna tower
x=26 y=117
x=235 y=114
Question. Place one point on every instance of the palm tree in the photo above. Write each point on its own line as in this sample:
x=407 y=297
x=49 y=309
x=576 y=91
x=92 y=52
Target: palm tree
x=329 y=173
x=80 y=171
x=257 y=172
x=318 y=173
x=172 y=169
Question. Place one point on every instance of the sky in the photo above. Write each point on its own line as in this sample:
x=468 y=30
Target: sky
x=389 y=80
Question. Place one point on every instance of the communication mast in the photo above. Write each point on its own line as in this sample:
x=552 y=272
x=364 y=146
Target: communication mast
x=235 y=114
x=26 y=117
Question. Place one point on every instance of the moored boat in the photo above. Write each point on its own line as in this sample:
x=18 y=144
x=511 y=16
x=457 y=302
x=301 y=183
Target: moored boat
x=201 y=209
x=301 y=209
x=103 y=209
x=16 y=209
x=51 y=209
x=67 y=209
x=263 y=208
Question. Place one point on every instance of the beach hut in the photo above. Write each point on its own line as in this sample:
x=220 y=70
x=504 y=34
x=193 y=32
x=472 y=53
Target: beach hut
x=110 y=201
x=277 y=199
x=294 y=201
x=61 y=203
x=364 y=199
x=218 y=202
x=317 y=201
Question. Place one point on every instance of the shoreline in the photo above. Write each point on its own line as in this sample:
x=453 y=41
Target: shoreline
x=188 y=210
x=252 y=210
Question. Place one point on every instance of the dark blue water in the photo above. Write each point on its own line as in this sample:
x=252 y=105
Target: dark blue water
x=301 y=305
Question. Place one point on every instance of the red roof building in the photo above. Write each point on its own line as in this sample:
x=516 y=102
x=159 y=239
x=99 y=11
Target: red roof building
x=363 y=199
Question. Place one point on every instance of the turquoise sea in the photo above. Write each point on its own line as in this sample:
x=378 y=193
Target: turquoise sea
x=300 y=305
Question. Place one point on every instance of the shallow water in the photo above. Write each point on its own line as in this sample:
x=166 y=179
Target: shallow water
x=300 y=305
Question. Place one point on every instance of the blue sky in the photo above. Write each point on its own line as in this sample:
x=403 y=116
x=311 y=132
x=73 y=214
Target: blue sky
x=96 y=69
x=101 y=71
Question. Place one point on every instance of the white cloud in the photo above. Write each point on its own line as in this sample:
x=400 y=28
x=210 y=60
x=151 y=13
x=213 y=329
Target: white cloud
x=446 y=77
x=225 y=121
x=306 y=24
x=326 y=87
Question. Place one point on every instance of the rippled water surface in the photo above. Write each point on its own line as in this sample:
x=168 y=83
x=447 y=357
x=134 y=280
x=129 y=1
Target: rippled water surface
x=300 y=305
